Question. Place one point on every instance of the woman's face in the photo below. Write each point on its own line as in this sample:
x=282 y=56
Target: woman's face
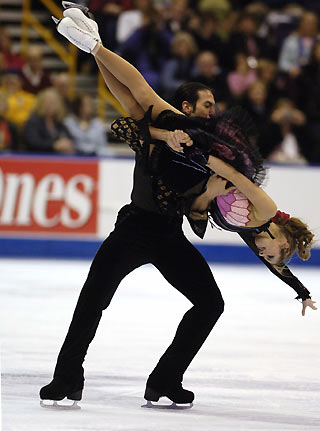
x=51 y=104
x=183 y=49
x=87 y=107
x=270 y=248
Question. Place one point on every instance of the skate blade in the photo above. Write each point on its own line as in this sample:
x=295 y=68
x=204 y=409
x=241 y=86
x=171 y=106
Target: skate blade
x=172 y=406
x=57 y=406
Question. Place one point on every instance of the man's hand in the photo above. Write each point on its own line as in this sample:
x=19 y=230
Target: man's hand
x=176 y=138
x=308 y=303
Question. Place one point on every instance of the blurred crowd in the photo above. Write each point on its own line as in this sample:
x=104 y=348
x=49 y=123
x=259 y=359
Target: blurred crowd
x=264 y=56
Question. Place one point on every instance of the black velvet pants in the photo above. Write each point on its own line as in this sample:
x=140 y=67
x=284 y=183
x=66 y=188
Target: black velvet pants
x=142 y=237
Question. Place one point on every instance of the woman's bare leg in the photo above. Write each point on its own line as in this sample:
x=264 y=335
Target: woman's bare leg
x=121 y=93
x=131 y=78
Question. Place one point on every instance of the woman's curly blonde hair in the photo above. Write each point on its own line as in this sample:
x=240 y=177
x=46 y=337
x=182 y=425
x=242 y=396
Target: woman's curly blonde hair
x=299 y=237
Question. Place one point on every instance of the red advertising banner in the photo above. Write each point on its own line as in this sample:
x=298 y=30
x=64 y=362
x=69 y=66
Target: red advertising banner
x=48 y=195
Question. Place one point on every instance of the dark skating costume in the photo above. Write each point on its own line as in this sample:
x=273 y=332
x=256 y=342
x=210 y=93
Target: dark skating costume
x=149 y=230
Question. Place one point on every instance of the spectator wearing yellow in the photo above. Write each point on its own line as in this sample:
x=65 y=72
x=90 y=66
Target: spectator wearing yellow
x=8 y=132
x=20 y=102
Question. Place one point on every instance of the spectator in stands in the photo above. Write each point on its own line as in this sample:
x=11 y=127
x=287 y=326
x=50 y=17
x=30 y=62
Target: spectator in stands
x=129 y=21
x=219 y=8
x=256 y=103
x=62 y=83
x=267 y=72
x=20 y=102
x=8 y=132
x=297 y=47
x=87 y=131
x=35 y=78
x=148 y=48
x=242 y=77
x=245 y=39
x=280 y=23
x=209 y=73
x=204 y=30
x=106 y=13
x=286 y=137
x=178 y=15
x=9 y=58
x=45 y=131
x=309 y=88
x=179 y=68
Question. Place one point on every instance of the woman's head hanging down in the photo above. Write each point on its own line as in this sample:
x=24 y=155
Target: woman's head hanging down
x=290 y=235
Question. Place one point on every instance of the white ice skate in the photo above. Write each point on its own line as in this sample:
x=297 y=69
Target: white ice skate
x=81 y=38
x=82 y=17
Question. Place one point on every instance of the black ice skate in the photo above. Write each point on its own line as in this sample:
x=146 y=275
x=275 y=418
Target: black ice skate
x=181 y=398
x=57 y=390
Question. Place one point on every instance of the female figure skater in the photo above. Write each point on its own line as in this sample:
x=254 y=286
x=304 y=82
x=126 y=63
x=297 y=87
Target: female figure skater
x=145 y=234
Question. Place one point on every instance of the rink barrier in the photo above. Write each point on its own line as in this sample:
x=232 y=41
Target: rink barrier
x=64 y=206
x=83 y=249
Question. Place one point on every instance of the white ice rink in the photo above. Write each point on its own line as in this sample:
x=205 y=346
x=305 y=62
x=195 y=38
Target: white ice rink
x=258 y=370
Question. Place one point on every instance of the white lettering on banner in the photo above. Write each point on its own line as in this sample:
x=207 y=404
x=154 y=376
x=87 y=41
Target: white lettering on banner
x=21 y=199
x=10 y=189
x=50 y=188
x=78 y=201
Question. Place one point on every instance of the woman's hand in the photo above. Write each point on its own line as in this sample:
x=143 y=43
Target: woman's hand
x=176 y=138
x=216 y=186
x=308 y=303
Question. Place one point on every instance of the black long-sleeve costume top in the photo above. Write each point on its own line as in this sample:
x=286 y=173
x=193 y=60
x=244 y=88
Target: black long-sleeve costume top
x=166 y=182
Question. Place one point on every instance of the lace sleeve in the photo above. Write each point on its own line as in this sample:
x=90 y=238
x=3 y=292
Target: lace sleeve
x=285 y=274
x=127 y=130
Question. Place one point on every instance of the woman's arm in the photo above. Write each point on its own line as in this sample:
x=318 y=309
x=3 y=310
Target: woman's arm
x=264 y=207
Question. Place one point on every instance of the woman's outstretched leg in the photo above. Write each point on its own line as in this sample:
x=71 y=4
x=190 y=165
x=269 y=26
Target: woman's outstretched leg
x=82 y=31
x=121 y=93
x=129 y=76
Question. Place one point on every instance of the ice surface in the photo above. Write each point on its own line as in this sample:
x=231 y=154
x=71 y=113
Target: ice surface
x=258 y=370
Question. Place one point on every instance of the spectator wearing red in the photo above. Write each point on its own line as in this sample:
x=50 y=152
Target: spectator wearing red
x=9 y=58
x=35 y=78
